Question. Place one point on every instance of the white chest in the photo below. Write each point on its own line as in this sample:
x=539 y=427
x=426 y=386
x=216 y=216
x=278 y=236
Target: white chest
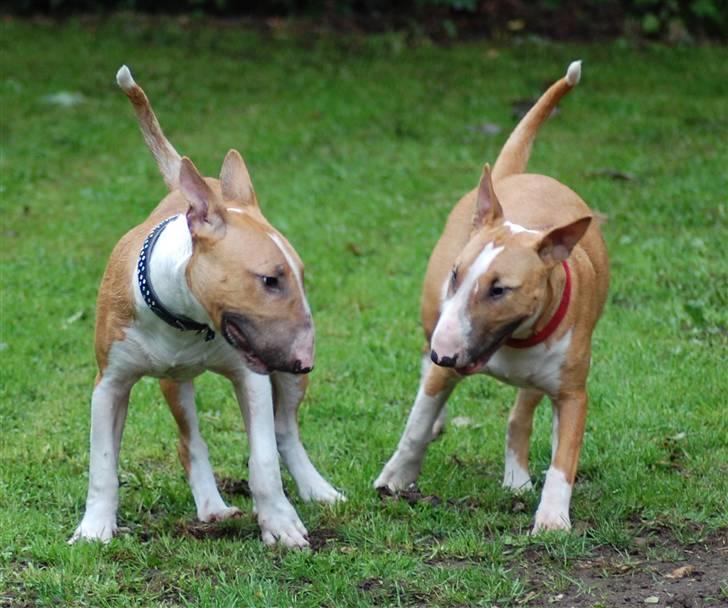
x=537 y=367
x=163 y=351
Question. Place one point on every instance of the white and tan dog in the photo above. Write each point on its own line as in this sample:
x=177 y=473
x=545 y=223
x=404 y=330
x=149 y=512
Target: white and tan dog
x=205 y=283
x=513 y=289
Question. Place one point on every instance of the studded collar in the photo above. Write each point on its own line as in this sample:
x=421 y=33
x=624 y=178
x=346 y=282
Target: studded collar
x=150 y=297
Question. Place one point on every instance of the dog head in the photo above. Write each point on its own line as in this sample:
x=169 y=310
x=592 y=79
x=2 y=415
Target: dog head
x=245 y=273
x=498 y=285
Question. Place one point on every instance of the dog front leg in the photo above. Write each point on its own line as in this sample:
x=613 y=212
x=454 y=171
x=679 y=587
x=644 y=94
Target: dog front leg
x=277 y=518
x=288 y=392
x=193 y=455
x=569 y=423
x=109 y=404
x=520 y=424
x=404 y=466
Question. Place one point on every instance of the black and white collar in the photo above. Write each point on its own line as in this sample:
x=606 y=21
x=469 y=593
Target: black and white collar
x=150 y=297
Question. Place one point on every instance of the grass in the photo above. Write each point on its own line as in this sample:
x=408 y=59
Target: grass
x=358 y=147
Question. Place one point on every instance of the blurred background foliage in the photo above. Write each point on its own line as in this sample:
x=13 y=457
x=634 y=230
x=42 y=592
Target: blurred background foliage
x=676 y=21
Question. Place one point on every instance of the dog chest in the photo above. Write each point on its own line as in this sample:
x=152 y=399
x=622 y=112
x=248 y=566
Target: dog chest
x=169 y=353
x=537 y=367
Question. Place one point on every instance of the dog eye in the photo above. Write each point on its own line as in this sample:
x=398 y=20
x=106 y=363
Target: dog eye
x=270 y=282
x=496 y=291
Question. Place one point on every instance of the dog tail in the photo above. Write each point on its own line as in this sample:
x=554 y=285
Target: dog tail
x=513 y=158
x=168 y=160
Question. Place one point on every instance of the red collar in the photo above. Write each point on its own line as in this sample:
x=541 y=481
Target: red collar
x=551 y=326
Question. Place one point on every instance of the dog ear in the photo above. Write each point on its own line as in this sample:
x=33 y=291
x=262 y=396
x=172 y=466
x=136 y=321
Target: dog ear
x=203 y=217
x=487 y=208
x=235 y=180
x=557 y=244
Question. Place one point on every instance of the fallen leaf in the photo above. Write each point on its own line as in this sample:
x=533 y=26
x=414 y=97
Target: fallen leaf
x=653 y=599
x=355 y=249
x=461 y=421
x=76 y=316
x=681 y=572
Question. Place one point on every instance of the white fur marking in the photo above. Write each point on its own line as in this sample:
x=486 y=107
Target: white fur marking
x=294 y=267
x=536 y=367
x=454 y=323
x=553 y=510
x=573 y=73
x=167 y=266
x=515 y=476
x=124 y=79
x=516 y=228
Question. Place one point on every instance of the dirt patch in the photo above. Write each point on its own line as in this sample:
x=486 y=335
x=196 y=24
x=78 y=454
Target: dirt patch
x=688 y=576
x=233 y=487
x=411 y=496
x=228 y=529
x=322 y=537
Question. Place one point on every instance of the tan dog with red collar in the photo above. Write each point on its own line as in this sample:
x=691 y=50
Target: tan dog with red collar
x=205 y=283
x=513 y=289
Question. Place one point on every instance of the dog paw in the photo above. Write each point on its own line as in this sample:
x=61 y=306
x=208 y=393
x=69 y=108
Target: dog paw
x=397 y=475
x=320 y=491
x=517 y=481
x=548 y=521
x=280 y=524
x=96 y=529
x=220 y=514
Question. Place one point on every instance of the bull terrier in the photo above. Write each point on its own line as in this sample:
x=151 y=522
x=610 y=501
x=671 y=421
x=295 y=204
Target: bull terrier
x=513 y=289
x=204 y=283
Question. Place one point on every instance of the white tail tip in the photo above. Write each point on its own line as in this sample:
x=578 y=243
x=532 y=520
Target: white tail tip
x=573 y=74
x=124 y=79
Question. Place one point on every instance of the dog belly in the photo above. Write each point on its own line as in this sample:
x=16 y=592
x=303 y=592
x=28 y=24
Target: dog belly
x=536 y=367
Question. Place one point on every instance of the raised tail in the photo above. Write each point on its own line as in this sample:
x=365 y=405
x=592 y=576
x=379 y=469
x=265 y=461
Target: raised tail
x=168 y=160
x=514 y=156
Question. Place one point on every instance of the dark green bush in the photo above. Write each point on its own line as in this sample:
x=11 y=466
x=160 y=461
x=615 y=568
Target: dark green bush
x=671 y=19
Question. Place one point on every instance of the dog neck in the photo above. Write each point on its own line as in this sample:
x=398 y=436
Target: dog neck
x=167 y=259
x=547 y=321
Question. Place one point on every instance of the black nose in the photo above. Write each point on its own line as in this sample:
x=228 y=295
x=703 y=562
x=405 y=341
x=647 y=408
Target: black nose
x=297 y=369
x=444 y=361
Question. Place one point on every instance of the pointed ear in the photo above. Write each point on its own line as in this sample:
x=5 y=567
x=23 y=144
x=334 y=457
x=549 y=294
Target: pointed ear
x=556 y=246
x=203 y=217
x=487 y=208
x=235 y=180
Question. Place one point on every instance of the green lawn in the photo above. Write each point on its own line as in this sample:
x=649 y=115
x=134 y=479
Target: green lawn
x=358 y=148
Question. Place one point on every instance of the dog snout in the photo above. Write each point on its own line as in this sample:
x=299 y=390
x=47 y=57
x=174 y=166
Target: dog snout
x=303 y=352
x=300 y=368
x=443 y=361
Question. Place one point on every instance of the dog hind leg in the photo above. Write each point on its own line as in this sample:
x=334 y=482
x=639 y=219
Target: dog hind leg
x=193 y=455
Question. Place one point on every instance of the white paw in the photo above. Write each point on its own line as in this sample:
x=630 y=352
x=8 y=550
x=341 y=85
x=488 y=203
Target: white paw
x=95 y=529
x=279 y=523
x=517 y=481
x=320 y=491
x=219 y=514
x=397 y=474
x=551 y=519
